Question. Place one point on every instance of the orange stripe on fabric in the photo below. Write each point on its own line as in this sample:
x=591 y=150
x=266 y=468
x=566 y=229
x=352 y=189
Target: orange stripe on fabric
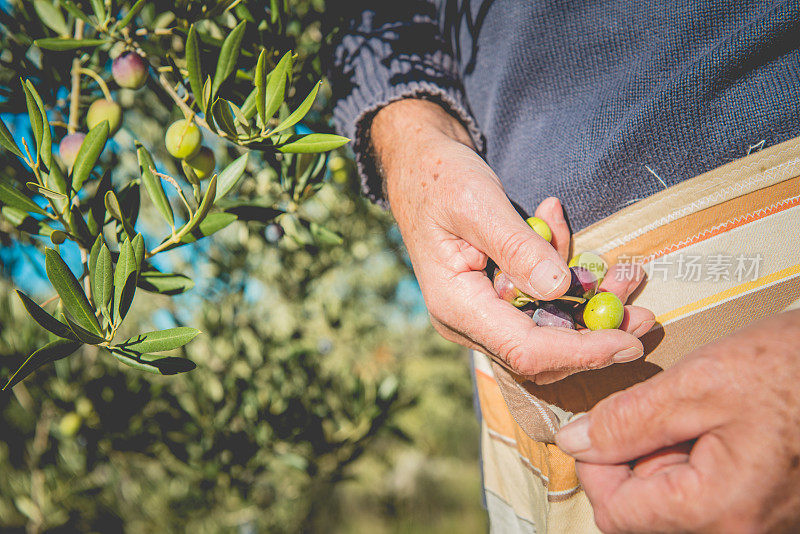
x=556 y=468
x=729 y=293
x=712 y=221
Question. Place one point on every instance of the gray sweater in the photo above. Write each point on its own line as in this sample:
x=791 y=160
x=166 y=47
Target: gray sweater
x=598 y=103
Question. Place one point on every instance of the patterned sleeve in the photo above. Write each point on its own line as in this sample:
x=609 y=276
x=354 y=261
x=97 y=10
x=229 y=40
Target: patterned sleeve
x=385 y=52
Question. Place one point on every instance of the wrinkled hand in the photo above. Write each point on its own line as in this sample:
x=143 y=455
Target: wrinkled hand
x=710 y=445
x=453 y=214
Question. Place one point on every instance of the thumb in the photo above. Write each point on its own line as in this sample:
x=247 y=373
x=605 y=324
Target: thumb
x=496 y=229
x=661 y=412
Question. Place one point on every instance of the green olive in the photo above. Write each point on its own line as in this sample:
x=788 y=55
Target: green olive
x=104 y=110
x=540 y=227
x=604 y=311
x=183 y=139
x=203 y=163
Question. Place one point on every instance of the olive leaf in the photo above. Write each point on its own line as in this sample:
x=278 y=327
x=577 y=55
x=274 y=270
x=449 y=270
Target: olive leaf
x=193 y=65
x=15 y=199
x=299 y=113
x=60 y=348
x=276 y=85
x=99 y=10
x=153 y=186
x=69 y=289
x=25 y=223
x=91 y=148
x=81 y=333
x=315 y=142
x=7 y=140
x=164 y=283
x=76 y=12
x=59 y=44
x=45 y=192
x=204 y=208
x=132 y=12
x=213 y=223
x=159 y=341
x=45 y=320
x=35 y=116
x=228 y=55
x=260 y=81
x=102 y=279
x=124 y=281
x=152 y=364
x=230 y=176
x=51 y=16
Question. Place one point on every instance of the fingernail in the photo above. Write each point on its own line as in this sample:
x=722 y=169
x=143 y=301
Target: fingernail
x=643 y=328
x=574 y=438
x=547 y=276
x=627 y=355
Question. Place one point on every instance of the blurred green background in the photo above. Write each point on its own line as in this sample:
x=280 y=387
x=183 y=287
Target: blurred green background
x=323 y=400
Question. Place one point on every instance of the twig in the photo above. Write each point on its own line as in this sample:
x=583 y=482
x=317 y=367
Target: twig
x=177 y=187
x=75 y=91
x=100 y=81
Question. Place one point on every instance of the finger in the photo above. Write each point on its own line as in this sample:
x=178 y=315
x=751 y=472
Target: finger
x=672 y=407
x=625 y=502
x=637 y=320
x=552 y=212
x=622 y=279
x=662 y=459
x=492 y=225
x=499 y=329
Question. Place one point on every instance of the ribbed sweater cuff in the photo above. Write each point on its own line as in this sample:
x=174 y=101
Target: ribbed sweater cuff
x=353 y=116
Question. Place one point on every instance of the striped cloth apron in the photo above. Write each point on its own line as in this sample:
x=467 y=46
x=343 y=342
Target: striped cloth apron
x=720 y=251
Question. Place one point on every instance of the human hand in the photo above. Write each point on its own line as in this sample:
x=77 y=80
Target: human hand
x=453 y=214
x=710 y=445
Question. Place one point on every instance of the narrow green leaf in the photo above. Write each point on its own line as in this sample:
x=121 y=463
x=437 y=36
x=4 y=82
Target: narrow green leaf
x=25 y=223
x=76 y=12
x=132 y=12
x=124 y=281
x=89 y=153
x=152 y=183
x=94 y=253
x=51 y=16
x=299 y=113
x=37 y=126
x=78 y=226
x=310 y=143
x=99 y=10
x=45 y=320
x=45 y=192
x=59 y=44
x=260 y=81
x=165 y=283
x=81 y=333
x=221 y=111
x=11 y=197
x=276 y=85
x=159 y=366
x=7 y=140
x=102 y=278
x=249 y=105
x=69 y=289
x=138 y=250
x=230 y=176
x=55 y=180
x=213 y=223
x=46 y=148
x=60 y=348
x=206 y=95
x=194 y=67
x=228 y=55
x=160 y=341
x=204 y=208
x=112 y=205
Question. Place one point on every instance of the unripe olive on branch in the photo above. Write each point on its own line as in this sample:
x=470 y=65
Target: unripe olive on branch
x=203 y=163
x=183 y=139
x=105 y=110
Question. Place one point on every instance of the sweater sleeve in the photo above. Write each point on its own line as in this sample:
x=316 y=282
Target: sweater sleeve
x=387 y=51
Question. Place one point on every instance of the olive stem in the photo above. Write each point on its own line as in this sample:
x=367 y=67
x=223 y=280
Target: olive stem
x=75 y=91
x=100 y=81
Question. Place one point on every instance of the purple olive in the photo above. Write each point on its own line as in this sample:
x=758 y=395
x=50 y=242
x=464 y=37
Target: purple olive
x=583 y=284
x=505 y=288
x=69 y=147
x=549 y=314
x=129 y=70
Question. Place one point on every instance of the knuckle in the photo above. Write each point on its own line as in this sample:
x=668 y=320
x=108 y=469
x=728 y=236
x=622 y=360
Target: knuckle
x=617 y=412
x=514 y=250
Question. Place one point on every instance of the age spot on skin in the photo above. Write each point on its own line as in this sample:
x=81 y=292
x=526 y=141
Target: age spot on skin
x=794 y=462
x=435 y=176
